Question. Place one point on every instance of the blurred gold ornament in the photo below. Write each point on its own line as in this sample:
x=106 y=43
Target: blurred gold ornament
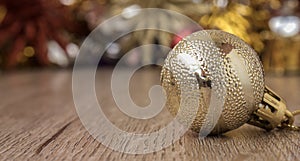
x=212 y=65
x=245 y=20
x=282 y=56
x=193 y=9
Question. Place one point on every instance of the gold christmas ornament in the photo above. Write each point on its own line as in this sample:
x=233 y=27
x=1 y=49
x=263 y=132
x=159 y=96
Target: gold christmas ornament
x=214 y=62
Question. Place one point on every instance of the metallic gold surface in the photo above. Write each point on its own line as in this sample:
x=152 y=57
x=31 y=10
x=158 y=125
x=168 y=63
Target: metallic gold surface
x=272 y=113
x=239 y=70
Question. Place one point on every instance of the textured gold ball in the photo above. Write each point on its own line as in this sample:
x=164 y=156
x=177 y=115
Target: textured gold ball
x=192 y=68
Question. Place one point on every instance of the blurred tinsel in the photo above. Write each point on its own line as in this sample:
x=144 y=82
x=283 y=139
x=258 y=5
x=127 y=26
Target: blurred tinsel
x=27 y=28
x=246 y=19
x=271 y=27
x=32 y=30
x=193 y=9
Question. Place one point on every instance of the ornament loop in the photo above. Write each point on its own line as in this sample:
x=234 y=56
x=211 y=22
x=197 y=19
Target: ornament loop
x=291 y=126
x=297 y=112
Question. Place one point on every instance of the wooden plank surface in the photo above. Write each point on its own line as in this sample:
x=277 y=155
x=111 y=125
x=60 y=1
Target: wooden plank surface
x=38 y=121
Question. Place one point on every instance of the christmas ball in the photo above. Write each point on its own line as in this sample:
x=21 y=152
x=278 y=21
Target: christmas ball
x=212 y=62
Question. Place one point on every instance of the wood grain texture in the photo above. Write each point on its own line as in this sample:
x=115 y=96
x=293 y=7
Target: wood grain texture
x=38 y=121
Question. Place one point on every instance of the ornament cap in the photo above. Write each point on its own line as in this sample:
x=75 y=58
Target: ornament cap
x=272 y=113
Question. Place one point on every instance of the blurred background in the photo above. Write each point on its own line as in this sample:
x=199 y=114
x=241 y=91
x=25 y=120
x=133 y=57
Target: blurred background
x=48 y=34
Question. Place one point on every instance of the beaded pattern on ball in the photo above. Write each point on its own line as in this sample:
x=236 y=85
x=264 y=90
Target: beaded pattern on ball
x=213 y=60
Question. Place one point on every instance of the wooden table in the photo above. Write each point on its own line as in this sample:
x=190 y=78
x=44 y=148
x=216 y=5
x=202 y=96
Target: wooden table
x=38 y=121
